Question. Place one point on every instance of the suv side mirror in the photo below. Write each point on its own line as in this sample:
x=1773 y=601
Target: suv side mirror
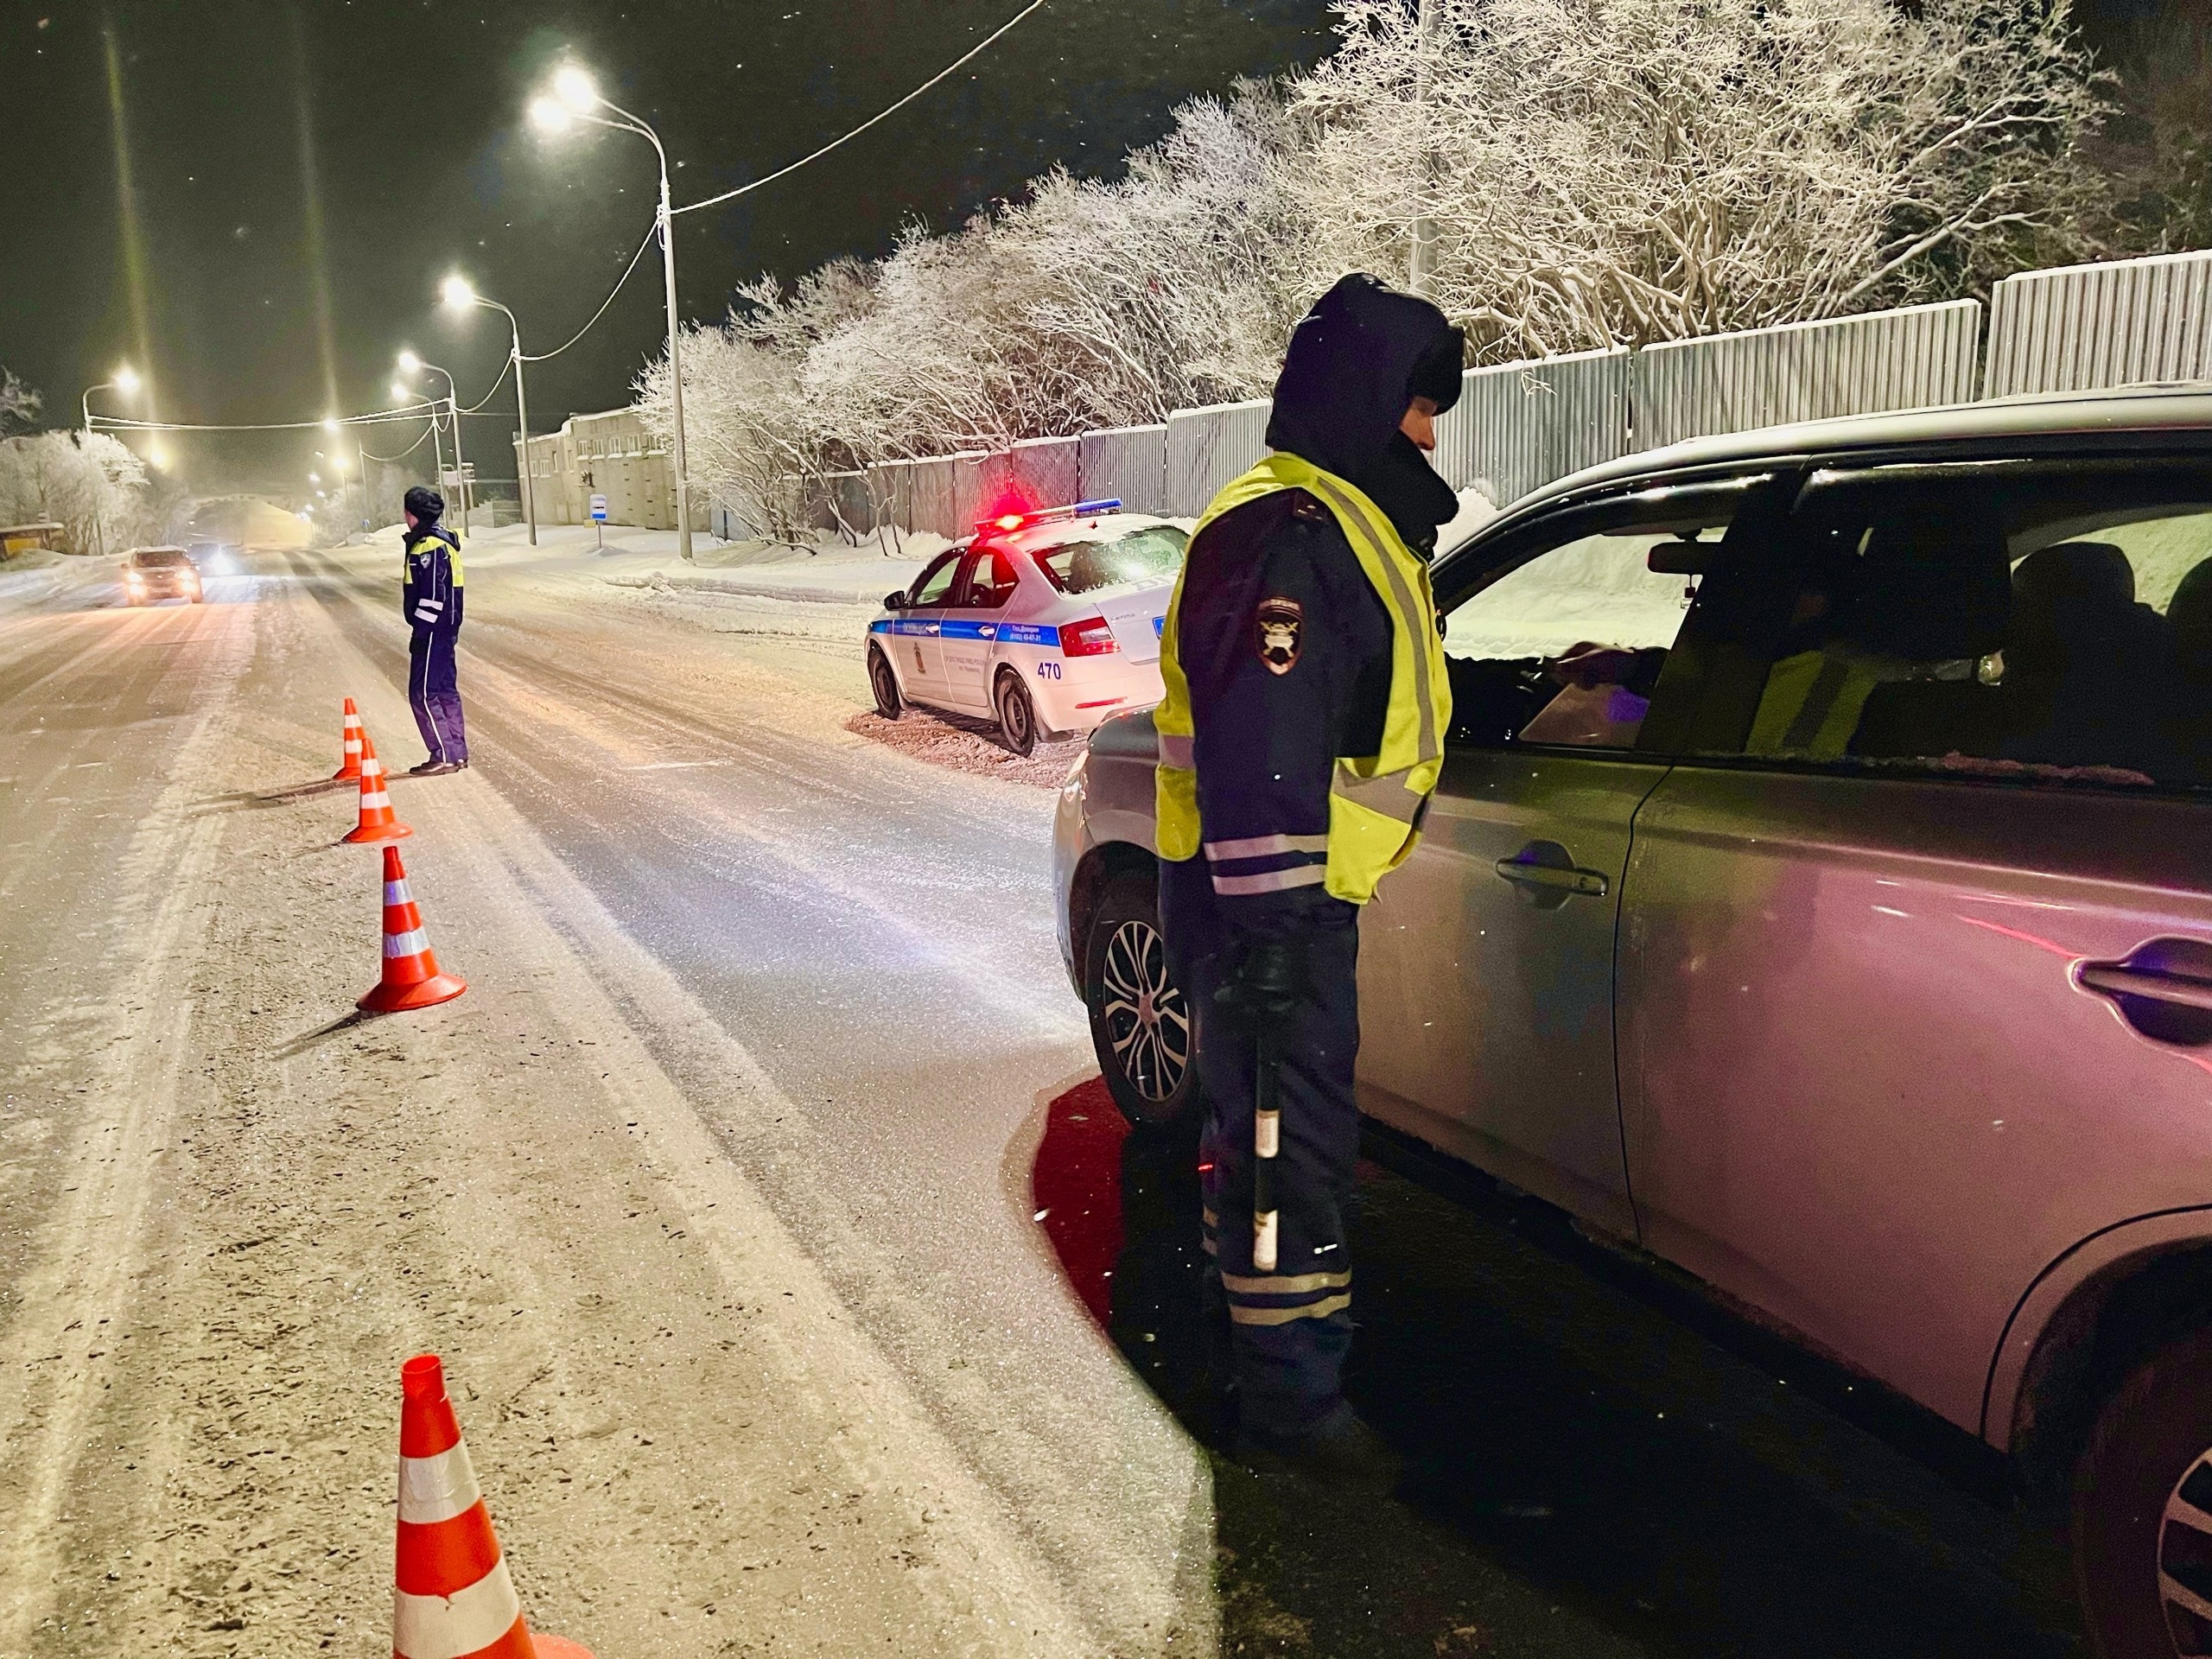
x=1686 y=557
x=895 y=601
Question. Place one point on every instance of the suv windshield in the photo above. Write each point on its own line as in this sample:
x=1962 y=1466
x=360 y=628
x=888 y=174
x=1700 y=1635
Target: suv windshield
x=151 y=558
x=1151 y=553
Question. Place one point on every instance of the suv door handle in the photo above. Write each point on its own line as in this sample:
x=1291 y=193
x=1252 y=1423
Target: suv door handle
x=2163 y=989
x=2159 y=987
x=1548 y=875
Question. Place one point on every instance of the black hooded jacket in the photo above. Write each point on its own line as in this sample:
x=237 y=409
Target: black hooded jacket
x=1283 y=640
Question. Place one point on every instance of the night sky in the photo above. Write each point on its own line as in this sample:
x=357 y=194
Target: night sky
x=424 y=163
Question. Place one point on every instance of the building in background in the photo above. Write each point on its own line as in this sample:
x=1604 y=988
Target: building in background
x=613 y=455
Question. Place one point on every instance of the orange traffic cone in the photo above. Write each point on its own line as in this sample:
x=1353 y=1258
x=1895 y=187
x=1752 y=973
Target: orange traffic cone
x=352 y=769
x=451 y=1596
x=412 y=979
x=379 y=822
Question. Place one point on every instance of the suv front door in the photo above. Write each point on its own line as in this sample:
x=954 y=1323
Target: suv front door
x=1486 y=962
x=1906 y=978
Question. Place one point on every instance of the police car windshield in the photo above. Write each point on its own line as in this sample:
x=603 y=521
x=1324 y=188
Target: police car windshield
x=1081 y=566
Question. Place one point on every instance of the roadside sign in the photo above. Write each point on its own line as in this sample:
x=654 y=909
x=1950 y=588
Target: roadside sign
x=598 y=508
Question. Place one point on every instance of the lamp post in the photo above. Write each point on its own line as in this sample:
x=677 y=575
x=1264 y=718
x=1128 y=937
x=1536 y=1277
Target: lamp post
x=575 y=97
x=126 y=380
x=459 y=295
x=405 y=394
x=410 y=364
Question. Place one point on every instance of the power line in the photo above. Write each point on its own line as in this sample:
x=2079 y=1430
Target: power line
x=367 y=454
x=745 y=189
x=627 y=272
x=122 y=422
x=477 y=407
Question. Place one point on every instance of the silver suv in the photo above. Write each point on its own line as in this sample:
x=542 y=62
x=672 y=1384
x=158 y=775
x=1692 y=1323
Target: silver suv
x=1819 y=897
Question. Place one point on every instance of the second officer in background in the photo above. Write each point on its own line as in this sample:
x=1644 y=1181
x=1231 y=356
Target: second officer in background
x=1302 y=731
x=431 y=593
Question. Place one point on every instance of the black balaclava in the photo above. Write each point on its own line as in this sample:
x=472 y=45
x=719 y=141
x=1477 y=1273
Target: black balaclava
x=1359 y=357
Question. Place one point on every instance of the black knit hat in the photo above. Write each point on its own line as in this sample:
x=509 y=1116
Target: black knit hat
x=425 y=503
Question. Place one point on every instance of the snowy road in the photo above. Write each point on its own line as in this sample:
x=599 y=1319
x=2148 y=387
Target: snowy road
x=715 y=1192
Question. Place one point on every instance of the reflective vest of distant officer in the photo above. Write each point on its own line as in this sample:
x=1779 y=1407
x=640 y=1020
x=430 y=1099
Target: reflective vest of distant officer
x=1301 y=734
x=430 y=590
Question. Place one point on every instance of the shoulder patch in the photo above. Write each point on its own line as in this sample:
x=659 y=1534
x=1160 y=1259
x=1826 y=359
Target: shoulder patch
x=1279 y=633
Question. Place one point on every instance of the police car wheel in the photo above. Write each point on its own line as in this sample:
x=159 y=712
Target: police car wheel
x=1140 y=1021
x=1017 y=715
x=884 y=685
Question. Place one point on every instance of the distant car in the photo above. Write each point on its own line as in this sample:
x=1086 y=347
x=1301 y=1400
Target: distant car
x=1818 y=897
x=1047 y=622
x=153 y=574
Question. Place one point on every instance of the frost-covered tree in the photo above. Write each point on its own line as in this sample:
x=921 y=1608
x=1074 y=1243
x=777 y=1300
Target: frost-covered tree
x=19 y=405
x=1600 y=172
x=1609 y=171
x=93 y=487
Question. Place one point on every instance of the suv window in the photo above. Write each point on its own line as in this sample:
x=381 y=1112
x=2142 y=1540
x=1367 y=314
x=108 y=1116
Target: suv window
x=1567 y=646
x=156 y=558
x=934 y=585
x=2040 y=622
x=991 y=580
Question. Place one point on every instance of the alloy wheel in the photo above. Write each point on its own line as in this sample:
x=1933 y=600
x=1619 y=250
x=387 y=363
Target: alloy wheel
x=1146 y=1018
x=2185 y=1560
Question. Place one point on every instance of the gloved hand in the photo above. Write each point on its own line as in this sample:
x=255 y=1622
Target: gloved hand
x=1262 y=982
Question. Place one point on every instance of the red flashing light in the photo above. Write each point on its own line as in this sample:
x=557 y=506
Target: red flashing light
x=1009 y=521
x=1092 y=637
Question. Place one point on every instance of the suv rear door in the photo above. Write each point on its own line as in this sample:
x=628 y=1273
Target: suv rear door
x=1486 y=962
x=1914 y=969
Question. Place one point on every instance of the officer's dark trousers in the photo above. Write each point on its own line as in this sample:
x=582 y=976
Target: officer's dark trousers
x=434 y=687
x=1290 y=1330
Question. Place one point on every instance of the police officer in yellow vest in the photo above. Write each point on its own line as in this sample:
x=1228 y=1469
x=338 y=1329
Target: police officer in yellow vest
x=1302 y=731
x=430 y=598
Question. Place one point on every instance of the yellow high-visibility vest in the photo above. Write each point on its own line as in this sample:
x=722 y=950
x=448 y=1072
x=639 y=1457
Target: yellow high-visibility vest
x=453 y=555
x=1375 y=801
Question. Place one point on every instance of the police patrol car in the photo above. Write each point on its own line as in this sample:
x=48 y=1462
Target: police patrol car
x=1047 y=622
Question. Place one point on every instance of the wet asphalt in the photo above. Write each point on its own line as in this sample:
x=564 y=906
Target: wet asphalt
x=1599 y=1461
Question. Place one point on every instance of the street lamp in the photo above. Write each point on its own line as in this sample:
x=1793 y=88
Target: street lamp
x=575 y=98
x=410 y=364
x=459 y=296
x=124 y=380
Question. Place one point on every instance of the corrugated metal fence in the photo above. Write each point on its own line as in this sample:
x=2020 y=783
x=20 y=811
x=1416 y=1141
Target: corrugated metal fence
x=1911 y=359
x=2125 y=323
x=1520 y=426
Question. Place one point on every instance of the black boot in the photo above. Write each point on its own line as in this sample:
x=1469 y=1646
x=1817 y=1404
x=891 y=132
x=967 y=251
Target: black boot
x=1340 y=1450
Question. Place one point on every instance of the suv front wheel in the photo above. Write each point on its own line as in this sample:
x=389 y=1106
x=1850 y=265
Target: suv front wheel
x=1140 y=1020
x=2143 y=1509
